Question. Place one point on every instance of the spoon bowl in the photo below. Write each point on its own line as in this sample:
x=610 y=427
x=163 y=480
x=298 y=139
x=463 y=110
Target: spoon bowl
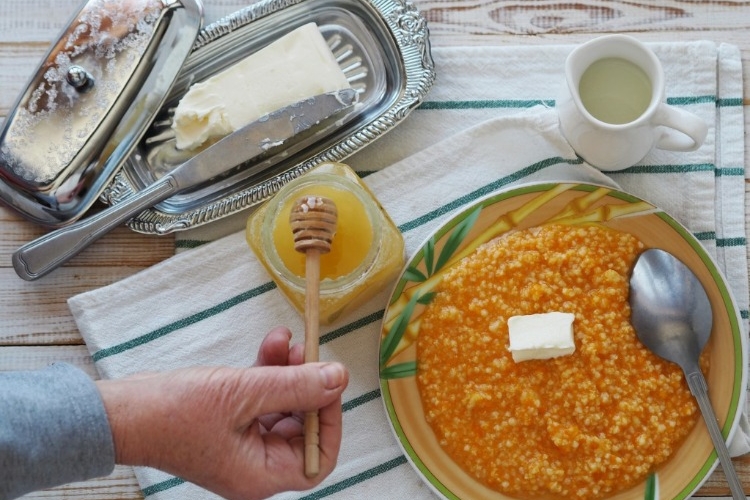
x=672 y=317
x=671 y=312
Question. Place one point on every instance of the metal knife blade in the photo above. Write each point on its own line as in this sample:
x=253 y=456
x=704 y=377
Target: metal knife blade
x=43 y=255
x=268 y=132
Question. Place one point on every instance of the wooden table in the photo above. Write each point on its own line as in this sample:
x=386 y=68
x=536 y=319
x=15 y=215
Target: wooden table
x=36 y=326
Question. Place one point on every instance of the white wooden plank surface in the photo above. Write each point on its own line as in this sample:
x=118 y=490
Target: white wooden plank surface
x=35 y=325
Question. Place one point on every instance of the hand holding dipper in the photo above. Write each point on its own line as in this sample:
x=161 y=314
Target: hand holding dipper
x=313 y=221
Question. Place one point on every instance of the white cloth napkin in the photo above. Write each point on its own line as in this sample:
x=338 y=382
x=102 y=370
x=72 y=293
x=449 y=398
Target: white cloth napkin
x=488 y=123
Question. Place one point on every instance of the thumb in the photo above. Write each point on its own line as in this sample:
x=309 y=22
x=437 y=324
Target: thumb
x=304 y=387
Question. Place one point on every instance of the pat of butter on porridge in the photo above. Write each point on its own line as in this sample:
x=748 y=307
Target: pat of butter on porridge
x=541 y=336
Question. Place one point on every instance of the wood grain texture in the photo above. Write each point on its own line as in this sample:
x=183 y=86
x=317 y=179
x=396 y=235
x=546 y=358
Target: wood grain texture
x=35 y=325
x=543 y=17
x=36 y=357
x=37 y=313
x=120 y=485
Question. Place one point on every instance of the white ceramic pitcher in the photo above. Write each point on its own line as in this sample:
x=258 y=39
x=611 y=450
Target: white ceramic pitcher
x=612 y=107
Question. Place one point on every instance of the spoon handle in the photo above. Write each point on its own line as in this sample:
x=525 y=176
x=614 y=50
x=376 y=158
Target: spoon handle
x=47 y=253
x=698 y=387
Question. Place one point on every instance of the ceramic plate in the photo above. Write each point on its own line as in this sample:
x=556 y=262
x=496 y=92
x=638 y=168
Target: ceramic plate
x=534 y=205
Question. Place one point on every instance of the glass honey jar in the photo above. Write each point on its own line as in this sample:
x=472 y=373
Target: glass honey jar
x=367 y=251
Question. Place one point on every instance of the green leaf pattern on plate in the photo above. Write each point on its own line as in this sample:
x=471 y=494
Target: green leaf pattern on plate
x=652 y=484
x=397 y=332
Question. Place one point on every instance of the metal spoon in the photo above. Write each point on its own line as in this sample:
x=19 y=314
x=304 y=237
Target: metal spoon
x=672 y=316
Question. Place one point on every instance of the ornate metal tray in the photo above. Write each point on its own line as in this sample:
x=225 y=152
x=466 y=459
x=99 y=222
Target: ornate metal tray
x=381 y=45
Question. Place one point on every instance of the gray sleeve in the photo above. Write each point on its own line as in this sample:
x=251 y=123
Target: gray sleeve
x=53 y=430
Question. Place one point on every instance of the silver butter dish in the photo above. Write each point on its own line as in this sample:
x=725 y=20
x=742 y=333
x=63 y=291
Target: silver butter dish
x=89 y=103
x=381 y=45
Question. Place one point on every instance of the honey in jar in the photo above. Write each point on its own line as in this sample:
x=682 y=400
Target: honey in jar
x=367 y=251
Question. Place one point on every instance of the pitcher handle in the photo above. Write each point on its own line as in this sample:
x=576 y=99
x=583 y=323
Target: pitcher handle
x=685 y=131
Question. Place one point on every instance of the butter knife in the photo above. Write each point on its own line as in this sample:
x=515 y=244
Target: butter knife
x=47 y=253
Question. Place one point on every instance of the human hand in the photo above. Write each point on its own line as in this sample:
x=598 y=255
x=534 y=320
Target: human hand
x=236 y=432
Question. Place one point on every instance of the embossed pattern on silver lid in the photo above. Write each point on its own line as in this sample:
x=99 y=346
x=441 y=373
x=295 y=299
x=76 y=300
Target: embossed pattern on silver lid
x=91 y=99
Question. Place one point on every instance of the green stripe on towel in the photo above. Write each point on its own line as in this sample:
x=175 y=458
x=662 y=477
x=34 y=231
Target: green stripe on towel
x=685 y=101
x=485 y=190
x=177 y=325
x=739 y=241
x=666 y=169
x=354 y=480
x=163 y=486
x=322 y=493
x=354 y=325
x=486 y=104
x=360 y=400
x=530 y=103
x=729 y=102
x=729 y=172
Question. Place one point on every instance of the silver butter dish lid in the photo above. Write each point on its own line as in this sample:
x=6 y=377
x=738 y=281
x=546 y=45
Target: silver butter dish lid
x=89 y=103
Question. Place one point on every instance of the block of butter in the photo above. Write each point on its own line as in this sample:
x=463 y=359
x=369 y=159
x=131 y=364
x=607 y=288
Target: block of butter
x=541 y=336
x=296 y=66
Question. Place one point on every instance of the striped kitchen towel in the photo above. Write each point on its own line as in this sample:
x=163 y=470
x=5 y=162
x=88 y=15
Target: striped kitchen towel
x=489 y=122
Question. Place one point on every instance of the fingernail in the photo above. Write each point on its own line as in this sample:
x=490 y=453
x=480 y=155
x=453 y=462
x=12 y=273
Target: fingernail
x=333 y=375
x=285 y=329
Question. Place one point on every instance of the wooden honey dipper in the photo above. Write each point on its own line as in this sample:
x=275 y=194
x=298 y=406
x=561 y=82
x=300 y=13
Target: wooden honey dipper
x=313 y=220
